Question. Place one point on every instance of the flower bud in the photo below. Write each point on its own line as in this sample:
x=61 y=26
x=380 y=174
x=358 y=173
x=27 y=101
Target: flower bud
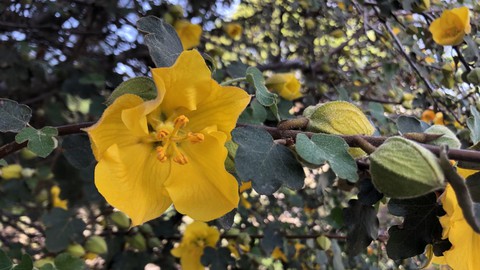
x=76 y=250
x=13 y=171
x=120 y=219
x=448 y=137
x=421 y=6
x=96 y=244
x=340 y=118
x=137 y=241
x=474 y=76
x=401 y=168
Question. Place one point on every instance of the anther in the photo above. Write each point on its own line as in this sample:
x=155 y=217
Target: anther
x=180 y=159
x=162 y=134
x=161 y=155
x=180 y=121
x=195 y=137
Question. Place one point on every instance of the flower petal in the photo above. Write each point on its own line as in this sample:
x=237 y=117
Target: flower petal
x=135 y=119
x=203 y=189
x=465 y=247
x=222 y=108
x=131 y=179
x=464 y=15
x=110 y=129
x=188 y=82
x=192 y=260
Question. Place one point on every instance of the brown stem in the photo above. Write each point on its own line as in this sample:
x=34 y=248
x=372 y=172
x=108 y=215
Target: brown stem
x=276 y=133
x=296 y=123
x=62 y=131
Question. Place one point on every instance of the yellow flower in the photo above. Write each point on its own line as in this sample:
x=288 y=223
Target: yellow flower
x=278 y=254
x=11 y=171
x=465 y=242
x=429 y=116
x=234 y=30
x=429 y=60
x=284 y=84
x=170 y=149
x=56 y=201
x=198 y=235
x=245 y=186
x=451 y=27
x=188 y=33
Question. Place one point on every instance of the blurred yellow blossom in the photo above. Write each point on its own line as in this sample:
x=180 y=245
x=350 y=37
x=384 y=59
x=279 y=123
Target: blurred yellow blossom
x=429 y=116
x=13 y=171
x=429 y=60
x=463 y=253
x=234 y=30
x=56 y=201
x=188 y=33
x=170 y=149
x=284 y=84
x=451 y=27
x=198 y=235
x=278 y=254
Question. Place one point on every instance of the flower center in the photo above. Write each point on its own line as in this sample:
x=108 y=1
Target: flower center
x=170 y=135
x=200 y=242
x=451 y=32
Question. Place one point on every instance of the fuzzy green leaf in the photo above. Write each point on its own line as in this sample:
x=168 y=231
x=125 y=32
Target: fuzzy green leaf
x=328 y=148
x=41 y=142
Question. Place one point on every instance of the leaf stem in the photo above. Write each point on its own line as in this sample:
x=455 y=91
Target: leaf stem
x=232 y=81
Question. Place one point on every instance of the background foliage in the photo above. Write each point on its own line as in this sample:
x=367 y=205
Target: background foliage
x=64 y=58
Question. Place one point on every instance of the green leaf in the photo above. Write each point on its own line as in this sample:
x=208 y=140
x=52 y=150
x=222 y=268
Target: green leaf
x=328 y=148
x=237 y=69
x=254 y=114
x=390 y=70
x=362 y=226
x=77 y=150
x=162 y=40
x=266 y=98
x=66 y=261
x=5 y=262
x=473 y=123
x=420 y=226
x=13 y=116
x=230 y=160
x=3 y=162
x=408 y=124
x=217 y=259
x=272 y=238
x=473 y=185
x=61 y=229
x=143 y=87
x=48 y=266
x=41 y=142
x=267 y=164
x=377 y=111
x=284 y=109
x=25 y=264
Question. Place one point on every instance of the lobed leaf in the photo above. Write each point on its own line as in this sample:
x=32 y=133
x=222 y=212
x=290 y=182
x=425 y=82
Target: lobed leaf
x=61 y=229
x=420 y=226
x=362 y=226
x=408 y=124
x=267 y=164
x=41 y=142
x=162 y=40
x=473 y=123
x=13 y=116
x=265 y=97
x=143 y=87
x=328 y=148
